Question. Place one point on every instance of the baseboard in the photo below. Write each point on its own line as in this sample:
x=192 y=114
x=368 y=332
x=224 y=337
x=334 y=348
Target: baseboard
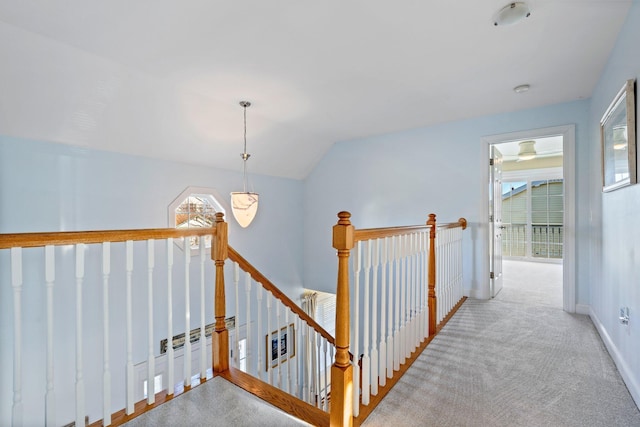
x=583 y=309
x=623 y=368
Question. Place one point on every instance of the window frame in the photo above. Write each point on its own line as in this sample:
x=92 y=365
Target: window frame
x=210 y=194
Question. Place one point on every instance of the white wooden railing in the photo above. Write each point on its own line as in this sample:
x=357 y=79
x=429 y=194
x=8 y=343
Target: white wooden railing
x=449 y=286
x=75 y=354
x=62 y=284
x=270 y=325
x=402 y=284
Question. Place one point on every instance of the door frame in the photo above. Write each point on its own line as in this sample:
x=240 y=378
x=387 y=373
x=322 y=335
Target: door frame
x=568 y=133
x=495 y=222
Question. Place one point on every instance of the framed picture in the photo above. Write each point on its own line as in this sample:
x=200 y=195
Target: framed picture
x=618 y=136
x=280 y=346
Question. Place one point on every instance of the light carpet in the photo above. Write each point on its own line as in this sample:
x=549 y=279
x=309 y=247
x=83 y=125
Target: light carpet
x=511 y=361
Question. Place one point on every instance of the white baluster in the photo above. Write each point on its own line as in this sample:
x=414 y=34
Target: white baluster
x=187 y=313
x=409 y=279
x=50 y=275
x=279 y=345
x=382 y=368
x=151 y=359
x=366 y=368
x=311 y=364
x=171 y=380
x=299 y=345
x=459 y=262
x=445 y=276
x=290 y=347
x=236 y=327
x=403 y=300
x=247 y=284
x=203 y=323
x=409 y=329
x=129 y=263
x=259 y=364
x=325 y=366
x=389 y=243
x=318 y=341
x=409 y=316
x=423 y=285
x=16 y=284
x=305 y=357
x=374 y=321
x=106 y=371
x=414 y=296
x=356 y=329
x=80 y=397
x=269 y=348
x=397 y=285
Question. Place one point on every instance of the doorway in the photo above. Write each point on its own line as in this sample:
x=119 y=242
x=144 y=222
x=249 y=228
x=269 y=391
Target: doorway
x=531 y=209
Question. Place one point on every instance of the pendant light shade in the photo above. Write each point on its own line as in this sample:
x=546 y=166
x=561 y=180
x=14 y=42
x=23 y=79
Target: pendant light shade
x=244 y=204
x=244 y=207
x=527 y=150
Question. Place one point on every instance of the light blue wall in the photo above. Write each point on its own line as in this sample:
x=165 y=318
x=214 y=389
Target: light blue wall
x=400 y=178
x=614 y=232
x=54 y=187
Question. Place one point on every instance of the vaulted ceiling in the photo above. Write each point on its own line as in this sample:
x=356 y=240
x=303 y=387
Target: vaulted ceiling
x=164 y=78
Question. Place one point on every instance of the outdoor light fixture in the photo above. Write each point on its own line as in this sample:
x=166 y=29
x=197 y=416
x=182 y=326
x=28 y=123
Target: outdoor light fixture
x=527 y=150
x=244 y=204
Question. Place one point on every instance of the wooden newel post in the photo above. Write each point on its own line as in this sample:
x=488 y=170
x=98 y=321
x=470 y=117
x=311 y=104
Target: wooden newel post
x=342 y=387
x=432 y=275
x=220 y=336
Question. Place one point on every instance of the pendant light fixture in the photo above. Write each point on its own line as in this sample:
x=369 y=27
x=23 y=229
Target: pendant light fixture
x=244 y=204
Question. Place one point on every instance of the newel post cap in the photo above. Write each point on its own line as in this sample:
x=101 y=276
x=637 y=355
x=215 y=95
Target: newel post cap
x=343 y=232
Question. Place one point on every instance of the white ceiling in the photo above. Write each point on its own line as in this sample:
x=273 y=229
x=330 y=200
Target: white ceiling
x=163 y=78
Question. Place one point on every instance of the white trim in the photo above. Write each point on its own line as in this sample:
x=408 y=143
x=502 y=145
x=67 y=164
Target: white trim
x=569 y=169
x=625 y=371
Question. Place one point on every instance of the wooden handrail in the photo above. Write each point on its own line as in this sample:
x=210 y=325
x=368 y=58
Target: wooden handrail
x=379 y=233
x=33 y=240
x=266 y=284
x=460 y=223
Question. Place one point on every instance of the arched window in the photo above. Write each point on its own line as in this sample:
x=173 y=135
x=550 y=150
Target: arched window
x=195 y=207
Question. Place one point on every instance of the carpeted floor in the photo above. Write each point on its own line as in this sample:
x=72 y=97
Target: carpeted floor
x=511 y=361
x=216 y=402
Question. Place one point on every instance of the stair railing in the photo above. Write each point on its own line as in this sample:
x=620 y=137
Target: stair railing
x=405 y=281
x=156 y=335
x=70 y=278
x=283 y=346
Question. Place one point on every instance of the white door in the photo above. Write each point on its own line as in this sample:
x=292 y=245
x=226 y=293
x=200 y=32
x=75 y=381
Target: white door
x=495 y=220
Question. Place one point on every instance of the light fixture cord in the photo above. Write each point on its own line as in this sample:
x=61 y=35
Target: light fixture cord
x=244 y=154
